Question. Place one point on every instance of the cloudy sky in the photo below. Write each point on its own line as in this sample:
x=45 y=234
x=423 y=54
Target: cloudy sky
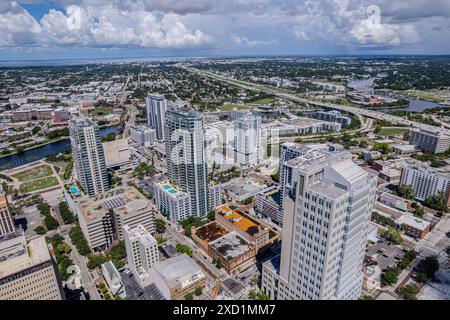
x=36 y=29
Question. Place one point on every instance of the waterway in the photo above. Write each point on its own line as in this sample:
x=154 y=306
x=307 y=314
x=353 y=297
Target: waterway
x=54 y=148
x=417 y=105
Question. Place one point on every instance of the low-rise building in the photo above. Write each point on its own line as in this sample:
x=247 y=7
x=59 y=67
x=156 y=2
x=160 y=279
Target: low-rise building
x=177 y=276
x=247 y=227
x=113 y=279
x=413 y=226
x=403 y=149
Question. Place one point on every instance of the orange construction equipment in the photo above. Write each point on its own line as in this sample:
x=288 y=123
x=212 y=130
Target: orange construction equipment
x=216 y=289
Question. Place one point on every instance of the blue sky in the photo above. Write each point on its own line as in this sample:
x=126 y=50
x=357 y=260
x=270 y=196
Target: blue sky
x=65 y=29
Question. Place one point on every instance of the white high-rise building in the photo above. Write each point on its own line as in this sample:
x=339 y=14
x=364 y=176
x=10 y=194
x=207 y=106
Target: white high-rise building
x=156 y=111
x=247 y=141
x=88 y=156
x=426 y=182
x=327 y=210
x=289 y=151
x=142 y=251
x=145 y=136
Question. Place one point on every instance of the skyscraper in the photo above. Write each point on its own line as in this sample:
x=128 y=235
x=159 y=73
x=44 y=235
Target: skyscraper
x=156 y=110
x=289 y=151
x=186 y=156
x=6 y=219
x=88 y=156
x=247 y=140
x=327 y=209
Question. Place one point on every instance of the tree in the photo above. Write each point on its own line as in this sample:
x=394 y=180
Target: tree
x=160 y=225
x=218 y=263
x=421 y=277
x=390 y=276
x=248 y=200
x=409 y=292
x=212 y=215
x=40 y=230
x=95 y=261
x=43 y=208
x=78 y=239
x=189 y=296
x=419 y=211
x=36 y=129
x=436 y=202
x=66 y=213
x=198 y=291
x=393 y=235
x=51 y=223
x=429 y=266
x=406 y=191
x=181 y=248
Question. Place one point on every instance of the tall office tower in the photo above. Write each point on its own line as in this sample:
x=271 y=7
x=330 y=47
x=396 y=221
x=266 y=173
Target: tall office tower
x=247 y=140
x=327 y=210
x=27 y=271
x=156 y=111
x=186 y=156
x=142 y=250
x=289 y=151
x=6 y=219
x=88 y=156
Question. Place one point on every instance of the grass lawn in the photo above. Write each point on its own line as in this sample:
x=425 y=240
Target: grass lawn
x=38 y=184
x=61 y=165
x=231 y=107
x=264 y=101
x=35 y=173
x=102 y=111
x=392 y=131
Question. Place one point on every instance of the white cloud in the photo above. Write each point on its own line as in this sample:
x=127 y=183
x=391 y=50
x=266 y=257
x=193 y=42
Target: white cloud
x=104 y=26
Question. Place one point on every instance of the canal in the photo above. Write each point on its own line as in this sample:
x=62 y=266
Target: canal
x=54 y=148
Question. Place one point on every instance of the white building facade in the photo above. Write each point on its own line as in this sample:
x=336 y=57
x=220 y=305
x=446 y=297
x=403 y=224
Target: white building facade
x=327 y=210
x=247 y=141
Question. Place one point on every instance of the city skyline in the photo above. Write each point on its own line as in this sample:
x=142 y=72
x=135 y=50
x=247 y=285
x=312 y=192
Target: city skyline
x=87 y=29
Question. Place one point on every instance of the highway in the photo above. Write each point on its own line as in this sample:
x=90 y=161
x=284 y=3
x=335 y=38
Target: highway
x=291 y=97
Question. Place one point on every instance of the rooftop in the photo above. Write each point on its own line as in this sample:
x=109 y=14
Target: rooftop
x=180 y=269
x=141 y=234
x=413 y=221
x=122 y=200
x=171 y=189
x=231 y=245
x=210 y=232
x=117 y=153
x=240 y=220
x=328 y=189
x=16 y=255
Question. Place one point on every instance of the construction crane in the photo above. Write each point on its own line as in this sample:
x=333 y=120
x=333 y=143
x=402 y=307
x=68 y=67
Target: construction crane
x=216 y=289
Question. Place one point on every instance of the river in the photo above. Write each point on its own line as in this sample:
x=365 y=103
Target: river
x=417 y=105
x=54 y=148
